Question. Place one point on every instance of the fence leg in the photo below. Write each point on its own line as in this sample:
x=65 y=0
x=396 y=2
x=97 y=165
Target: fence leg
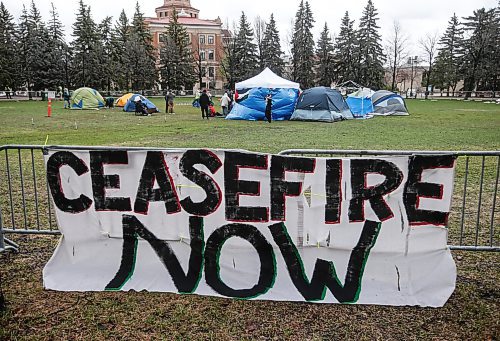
x=6 y=244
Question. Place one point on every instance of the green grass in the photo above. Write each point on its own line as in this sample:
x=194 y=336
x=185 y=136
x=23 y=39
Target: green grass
x=472 y=313
x=443 y=125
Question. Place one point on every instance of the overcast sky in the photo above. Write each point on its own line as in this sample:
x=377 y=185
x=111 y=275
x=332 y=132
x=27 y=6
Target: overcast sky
x=417 y=17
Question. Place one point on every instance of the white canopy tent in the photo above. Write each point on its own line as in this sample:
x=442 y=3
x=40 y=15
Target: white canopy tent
x=267 y=79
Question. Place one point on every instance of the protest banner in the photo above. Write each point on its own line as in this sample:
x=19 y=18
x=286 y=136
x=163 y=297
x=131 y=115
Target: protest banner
x=246 y=225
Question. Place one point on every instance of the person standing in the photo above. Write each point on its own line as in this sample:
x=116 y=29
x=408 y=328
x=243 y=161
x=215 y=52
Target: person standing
x=169 y=100
x=269 y=107
x=231 y=100
x=224 y=103
x=66 y=98
x=204 y=104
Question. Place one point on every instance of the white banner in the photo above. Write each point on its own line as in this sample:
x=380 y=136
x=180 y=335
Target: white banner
x=253 y=226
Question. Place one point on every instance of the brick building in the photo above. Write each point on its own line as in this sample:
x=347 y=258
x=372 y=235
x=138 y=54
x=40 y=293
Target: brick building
x=206 y=38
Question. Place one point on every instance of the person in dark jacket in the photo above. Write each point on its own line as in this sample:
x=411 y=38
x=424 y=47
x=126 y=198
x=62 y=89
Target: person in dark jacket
x=169 y=100
x=140 y=108
x=204 y=104
x=269 y=107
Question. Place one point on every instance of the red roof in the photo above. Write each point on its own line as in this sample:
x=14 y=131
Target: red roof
x=184 y=21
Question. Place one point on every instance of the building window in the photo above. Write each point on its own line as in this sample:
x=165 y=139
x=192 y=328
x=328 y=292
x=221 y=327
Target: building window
x=203 y=71
x=211 y=72
x=211 y=55
x=210 y=40
x=203 y=55
x=161 y=14
x=202 y=39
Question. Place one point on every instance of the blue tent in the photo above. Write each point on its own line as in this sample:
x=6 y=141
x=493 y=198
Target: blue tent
x=251 y=104
x=321 y=104
x=130 y=106
x=360 y=102
x=389 y=103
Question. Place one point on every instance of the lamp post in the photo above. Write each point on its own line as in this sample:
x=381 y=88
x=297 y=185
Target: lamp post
x=66 y=57
x=83 y=60
x=412 y=61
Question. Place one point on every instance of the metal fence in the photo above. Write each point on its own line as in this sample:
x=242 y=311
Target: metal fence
x=474 y=218
x=26 y=206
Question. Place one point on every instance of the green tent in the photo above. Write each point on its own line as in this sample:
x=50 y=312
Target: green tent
x=86 y=98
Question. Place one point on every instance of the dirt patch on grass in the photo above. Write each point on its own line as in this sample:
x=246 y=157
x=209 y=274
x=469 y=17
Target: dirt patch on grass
x=473 y=312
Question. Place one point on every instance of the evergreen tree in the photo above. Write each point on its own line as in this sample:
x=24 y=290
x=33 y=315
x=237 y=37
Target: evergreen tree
x=32 y=37
x=176 y=57
x=478 y=48
x=230 y=63
x=303 y=46
x=324 y=52
x=492 y=65
x=106 y=54
x=371 y=56
x=24 y=49
x=271 y=48
x=120 y=37
x=140 y=56
x=86 y=47
x=449 y=58
x=345 y=46
x=246 y=51
x=39 y=35
x=8 y=51
x=57 y=55
x=140 y=28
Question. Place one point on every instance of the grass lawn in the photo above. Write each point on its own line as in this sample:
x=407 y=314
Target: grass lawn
x=472 y=313
x=443 y=125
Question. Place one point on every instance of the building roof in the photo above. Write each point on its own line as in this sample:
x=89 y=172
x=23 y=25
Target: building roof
x=189 y=8
x=185 y=21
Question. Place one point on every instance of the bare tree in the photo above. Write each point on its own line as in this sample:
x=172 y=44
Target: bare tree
x=259 y=29
x=287 y=44
x=227 y=56
x=198 y=59
x=396 y=51
x=428 y=44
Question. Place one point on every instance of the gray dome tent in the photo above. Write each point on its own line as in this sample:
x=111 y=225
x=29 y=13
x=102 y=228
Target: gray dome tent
x=321 y=104
x=387 y=103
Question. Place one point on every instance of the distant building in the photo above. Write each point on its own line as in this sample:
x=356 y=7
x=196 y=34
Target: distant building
x=404 y=78
x=206 y=38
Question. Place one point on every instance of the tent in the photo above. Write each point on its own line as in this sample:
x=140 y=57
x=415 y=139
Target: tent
x=360 y=102
x=86 y=98
x=321 y=104
x=388 y=103
x=122 y=101
x=251 y=103
x=130 y=106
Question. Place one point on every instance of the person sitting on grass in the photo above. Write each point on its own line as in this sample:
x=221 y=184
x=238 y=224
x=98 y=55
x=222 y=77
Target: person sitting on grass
x=140 y=108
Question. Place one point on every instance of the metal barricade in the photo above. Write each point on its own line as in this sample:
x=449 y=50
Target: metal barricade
x=25 y=203
x=26 y=207
x=474 y=218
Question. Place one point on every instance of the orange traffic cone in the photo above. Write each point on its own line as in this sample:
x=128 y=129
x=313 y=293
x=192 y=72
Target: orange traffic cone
x=49 y=108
